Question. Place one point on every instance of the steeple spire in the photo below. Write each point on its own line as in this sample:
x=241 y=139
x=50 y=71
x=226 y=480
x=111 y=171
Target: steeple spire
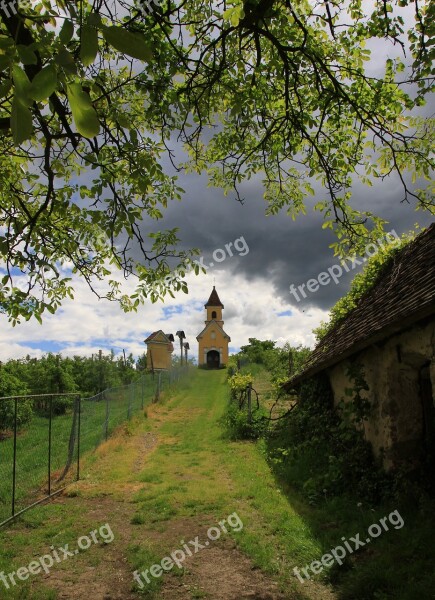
x=214 y=299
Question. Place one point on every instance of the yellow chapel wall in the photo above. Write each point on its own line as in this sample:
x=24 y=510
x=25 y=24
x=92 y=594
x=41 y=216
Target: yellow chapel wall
x=208 y=342
x=162 y=357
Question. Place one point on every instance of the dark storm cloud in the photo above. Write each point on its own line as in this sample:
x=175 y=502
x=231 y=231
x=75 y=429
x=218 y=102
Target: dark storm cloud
x=281 y=251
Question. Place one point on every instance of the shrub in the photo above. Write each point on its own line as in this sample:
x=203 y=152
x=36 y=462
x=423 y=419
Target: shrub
x=7 y=410
x=238 y=384
x=232 y=367
x=12 y=386
x=237 y=426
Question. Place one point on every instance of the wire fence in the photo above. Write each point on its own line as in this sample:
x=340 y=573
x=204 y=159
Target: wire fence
x=43 y=437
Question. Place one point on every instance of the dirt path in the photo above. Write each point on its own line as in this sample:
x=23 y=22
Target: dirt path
x=218 y=572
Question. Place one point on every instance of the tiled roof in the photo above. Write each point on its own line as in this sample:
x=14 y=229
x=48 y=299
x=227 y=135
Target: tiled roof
x=151 y=336
x=155 y=334
x=403 y=294
x=214 y=299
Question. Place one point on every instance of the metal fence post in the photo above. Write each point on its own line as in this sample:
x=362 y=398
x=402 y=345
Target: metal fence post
x=14 y=468
x=130 y=393
x=50 y=418
x=79 y=403
x=106 y=428
x=142 y=382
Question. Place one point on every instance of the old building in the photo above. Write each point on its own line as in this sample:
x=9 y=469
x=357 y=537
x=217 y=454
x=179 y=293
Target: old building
x=213 y=341
x=159 y=351
x=390 y=335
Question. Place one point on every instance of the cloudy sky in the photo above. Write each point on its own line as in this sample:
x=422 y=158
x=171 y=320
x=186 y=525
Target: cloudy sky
x=268 y=255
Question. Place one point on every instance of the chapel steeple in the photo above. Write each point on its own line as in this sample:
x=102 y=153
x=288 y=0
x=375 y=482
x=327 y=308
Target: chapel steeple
x=214 y=308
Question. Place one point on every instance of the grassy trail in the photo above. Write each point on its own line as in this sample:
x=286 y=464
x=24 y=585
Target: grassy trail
x=160 y=482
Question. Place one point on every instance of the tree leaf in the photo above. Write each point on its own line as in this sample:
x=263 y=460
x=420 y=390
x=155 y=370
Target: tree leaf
x=66 y=60
x=132 y=44
x=6 y=42
x=66 y=32
x=27 y=55
x=94 y=19
x=44 y=83
x=21 y=122
x=84 y=115
x=5 y=86
x=4 y=62
x=88 y=44
x=22 y=86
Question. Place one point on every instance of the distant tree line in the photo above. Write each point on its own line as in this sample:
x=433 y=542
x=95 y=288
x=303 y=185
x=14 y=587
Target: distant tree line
x=55 y=374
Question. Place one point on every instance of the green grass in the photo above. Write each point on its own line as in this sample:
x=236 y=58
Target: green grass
x=196 y=475
x=224 y=477
x=32 y=442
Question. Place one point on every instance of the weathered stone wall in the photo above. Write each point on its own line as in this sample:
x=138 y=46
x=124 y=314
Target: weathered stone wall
x=391 y=368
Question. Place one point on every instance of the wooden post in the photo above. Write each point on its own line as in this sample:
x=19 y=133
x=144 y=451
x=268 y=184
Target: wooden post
x=159 y=381
x=151 y=361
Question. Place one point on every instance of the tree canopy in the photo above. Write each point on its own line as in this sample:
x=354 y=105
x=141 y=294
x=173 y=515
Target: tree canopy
x=93 y=96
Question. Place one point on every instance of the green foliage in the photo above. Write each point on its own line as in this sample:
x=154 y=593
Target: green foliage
x=56 y=405
x=285 y=92
x=322 y=454
x=363 y=282
x=54 y=374
x=66 y=77
x=7 y=412
x=12 y=386
x=356 y=409
x=238 y=383
x=299 y=105
x=282 y=363
x=256 y=349
x=237 y=426
x=232 y=367
x=84 y=115
x=132 y=44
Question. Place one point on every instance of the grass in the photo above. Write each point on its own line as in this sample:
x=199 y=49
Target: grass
x=32 y=443
x=196 y=476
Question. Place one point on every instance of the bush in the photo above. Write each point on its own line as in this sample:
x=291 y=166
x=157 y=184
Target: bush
x=238 y=384
x=7 y=410
x=237 y=426
x=12 y=386
x=232 y=367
